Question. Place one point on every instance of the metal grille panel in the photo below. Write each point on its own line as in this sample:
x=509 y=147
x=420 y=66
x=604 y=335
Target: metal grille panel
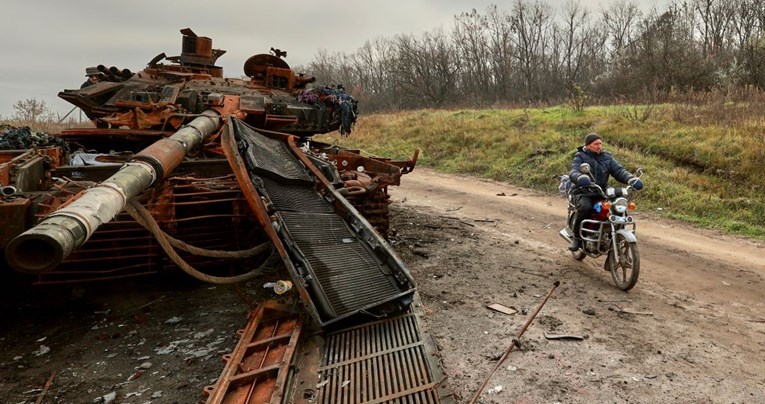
x=271 y=157
x=341 y=263
x=380 y=362
x=295 y=197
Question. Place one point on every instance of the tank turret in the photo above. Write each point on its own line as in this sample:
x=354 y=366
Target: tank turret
x=170 y=88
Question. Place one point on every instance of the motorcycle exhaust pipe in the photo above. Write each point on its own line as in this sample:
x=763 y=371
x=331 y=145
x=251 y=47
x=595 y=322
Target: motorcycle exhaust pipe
x=565 y=234
x=7 y=190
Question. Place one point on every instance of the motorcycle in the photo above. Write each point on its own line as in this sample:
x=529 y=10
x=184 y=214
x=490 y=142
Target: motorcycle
x=609 y=230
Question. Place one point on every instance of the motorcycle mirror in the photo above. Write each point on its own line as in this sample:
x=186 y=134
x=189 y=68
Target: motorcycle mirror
x=584 y=168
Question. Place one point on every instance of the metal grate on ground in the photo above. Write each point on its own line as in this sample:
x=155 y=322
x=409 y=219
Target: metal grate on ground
x=380 y=362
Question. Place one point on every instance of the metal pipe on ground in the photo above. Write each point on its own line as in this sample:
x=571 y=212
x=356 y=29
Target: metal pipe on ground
x=43 y=247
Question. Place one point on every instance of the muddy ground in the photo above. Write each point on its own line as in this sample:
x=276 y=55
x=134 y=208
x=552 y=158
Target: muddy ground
x=692 y=330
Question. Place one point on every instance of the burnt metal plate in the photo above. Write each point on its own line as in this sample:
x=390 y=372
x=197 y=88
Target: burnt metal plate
x=256 y=371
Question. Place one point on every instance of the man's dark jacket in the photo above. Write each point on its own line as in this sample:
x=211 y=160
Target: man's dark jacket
x=601 y=166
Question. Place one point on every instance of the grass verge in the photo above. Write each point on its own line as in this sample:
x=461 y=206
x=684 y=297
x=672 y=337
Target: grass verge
x=705 y=172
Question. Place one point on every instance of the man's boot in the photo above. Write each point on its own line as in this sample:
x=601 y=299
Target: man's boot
x=575 y=244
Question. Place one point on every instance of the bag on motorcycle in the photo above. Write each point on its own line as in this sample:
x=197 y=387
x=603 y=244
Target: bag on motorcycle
x=565 y=185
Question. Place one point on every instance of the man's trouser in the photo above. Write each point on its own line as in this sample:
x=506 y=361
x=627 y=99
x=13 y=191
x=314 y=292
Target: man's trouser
x=584 y=204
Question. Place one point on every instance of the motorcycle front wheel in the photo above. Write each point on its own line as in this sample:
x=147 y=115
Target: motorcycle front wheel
x=625 y=272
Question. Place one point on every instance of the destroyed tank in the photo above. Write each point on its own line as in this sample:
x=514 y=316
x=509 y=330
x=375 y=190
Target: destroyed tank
x=185 y=168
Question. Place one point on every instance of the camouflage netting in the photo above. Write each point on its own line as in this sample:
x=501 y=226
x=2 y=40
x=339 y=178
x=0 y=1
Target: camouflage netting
x=12 y=138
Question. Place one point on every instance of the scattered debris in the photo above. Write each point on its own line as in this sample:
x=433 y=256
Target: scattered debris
x=108 y=398
x=564 y=336
x=459 y=220
x=502 y=309
x=589 y=311
x=281 y=287
x=44 y=349
x=484 y=220
x=515 y=342
x=630 y=311
x=174 y=320
x=494 y=390
x=501 y=194
x=12 y=138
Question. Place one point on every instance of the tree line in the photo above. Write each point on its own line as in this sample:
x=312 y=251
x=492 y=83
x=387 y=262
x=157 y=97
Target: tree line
x=532 y=53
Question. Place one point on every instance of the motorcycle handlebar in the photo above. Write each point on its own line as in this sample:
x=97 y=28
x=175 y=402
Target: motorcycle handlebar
x=602 y=193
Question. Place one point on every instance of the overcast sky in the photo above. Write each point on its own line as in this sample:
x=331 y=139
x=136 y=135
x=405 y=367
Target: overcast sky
x=46 y=45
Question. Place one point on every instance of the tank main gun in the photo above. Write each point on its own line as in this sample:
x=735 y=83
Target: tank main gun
x=46 y=245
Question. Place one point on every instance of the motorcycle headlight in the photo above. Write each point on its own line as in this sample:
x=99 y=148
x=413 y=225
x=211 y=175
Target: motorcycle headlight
x=620 y=205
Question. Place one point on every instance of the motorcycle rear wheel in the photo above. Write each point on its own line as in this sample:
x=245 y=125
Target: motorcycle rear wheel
x=625 y=272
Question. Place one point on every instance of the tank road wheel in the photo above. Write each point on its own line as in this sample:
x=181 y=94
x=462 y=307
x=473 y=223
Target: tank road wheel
x=625 y=272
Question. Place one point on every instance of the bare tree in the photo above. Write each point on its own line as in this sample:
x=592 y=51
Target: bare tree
x=373 y=65
x=31 y=111
x=715 y=20
x=500 y=52
x=530 y=24
x=323 y=67
x=469 y=37
x=620 y=20
x=529 y=54
x=426 y=69
x=577 y=41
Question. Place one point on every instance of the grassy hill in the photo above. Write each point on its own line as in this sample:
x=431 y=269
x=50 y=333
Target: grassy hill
x=704 y=164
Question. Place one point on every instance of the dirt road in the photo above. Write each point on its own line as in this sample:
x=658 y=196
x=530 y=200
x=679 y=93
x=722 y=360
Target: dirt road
x=697 y=328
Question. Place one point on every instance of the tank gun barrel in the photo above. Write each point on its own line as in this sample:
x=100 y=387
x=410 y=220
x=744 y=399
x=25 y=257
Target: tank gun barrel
x=46 y=245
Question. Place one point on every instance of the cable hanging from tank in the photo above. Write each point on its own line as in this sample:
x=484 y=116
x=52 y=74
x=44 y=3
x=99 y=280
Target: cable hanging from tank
x=169 y=244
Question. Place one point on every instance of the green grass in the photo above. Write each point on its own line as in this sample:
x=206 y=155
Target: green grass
x=707 y=172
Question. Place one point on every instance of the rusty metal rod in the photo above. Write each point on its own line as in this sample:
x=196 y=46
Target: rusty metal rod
x=46 y=388
x=43 y=247
x=514 y=343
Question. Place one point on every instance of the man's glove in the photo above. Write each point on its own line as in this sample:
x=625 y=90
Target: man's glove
x=583 y=181
x=637 y=184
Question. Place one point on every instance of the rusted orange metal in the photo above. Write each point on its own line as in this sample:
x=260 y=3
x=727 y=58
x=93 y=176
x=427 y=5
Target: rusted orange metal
x=256 y=371
x=206 y=211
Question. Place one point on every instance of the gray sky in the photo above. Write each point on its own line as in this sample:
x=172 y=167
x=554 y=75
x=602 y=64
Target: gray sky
x=46 y=45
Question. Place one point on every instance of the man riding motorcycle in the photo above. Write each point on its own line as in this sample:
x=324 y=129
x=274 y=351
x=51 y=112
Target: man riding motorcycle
x=602 y=165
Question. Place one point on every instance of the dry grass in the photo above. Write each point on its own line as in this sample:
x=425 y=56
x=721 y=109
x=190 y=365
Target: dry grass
x=701 y=168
